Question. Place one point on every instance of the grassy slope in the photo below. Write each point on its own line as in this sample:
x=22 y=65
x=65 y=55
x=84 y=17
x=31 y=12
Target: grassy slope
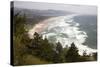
x=29 y=59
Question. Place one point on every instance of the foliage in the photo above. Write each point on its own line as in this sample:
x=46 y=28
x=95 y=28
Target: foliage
x=20 y=39
x=39 y=50
x=72 y=54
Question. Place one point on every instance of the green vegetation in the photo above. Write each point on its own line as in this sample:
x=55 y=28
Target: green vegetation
x=72 y=54
x=41 y=51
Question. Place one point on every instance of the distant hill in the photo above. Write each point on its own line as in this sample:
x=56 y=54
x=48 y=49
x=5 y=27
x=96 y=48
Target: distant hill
x=35 y=12
x=34 y=15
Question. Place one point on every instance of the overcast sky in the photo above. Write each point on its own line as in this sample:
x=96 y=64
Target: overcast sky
x=80 y=9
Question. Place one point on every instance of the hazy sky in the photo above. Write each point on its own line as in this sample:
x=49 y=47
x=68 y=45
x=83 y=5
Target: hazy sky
x=80 y=9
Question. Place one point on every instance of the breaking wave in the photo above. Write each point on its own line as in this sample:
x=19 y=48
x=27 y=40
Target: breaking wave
x=65 y=30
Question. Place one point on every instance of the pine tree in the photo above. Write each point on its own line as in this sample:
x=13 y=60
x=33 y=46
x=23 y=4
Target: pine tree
x=59 y=56
x=72 y=54
x=59 y=47
x=20 y=38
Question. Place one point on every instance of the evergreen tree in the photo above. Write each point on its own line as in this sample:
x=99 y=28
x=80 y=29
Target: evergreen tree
x=36 y=43
x=59 y=53
x=72 y=54
x=20 y=38
x=47 y=50
x=59 y=47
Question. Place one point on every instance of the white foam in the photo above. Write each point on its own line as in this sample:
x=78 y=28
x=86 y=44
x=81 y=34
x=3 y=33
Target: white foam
x=67 y=26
